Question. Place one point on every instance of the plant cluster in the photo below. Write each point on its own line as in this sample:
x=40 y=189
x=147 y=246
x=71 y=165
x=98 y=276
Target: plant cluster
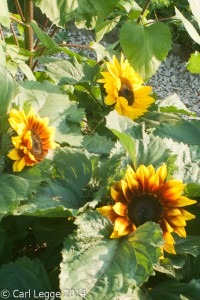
x=100 y=180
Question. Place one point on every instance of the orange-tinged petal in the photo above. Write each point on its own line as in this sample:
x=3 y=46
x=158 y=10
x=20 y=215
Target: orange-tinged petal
x=172 y=212
x=177 y=221
x=143 y=175
x=153 y=183
x=117 y=193
x=169 y=244
x=127 y=193
x=120 y=209
x=166 y=227
x=180 y=202
x=151 y=170
x=162 y=173
x=186 y=215
x=122 y=225
x=180 y=231
x=171 y=190
x=107 y=211
x=115 y=235
x=133 y=184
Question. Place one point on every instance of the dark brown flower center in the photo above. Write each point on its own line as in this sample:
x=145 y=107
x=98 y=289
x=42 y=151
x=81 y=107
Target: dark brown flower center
x=126 y=91
x=37 y=149
x=144 y=208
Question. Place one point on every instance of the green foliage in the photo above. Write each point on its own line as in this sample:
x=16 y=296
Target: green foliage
x=139 y=44
x=52 y=240
x=94 y=263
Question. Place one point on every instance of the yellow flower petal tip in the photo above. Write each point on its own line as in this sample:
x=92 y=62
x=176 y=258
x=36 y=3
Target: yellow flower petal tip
x=34 y=138
x=125 y=90
x=145 y=195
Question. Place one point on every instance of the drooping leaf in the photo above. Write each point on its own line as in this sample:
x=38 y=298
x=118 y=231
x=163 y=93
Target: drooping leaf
x=104 y=267
x=43 y=37
x=141 y=47
x=105 y=27
x=7 y=87
x=24 y=275
x=194 y=63
x=4 y=14
x=188 y=26
x=13 y=190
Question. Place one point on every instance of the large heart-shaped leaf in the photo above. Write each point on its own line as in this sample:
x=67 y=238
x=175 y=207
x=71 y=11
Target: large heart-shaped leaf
x=145 y=46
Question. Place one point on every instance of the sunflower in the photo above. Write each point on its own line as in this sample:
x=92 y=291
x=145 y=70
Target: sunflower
x=124 y=89
x=145 y=195
x=33 y=141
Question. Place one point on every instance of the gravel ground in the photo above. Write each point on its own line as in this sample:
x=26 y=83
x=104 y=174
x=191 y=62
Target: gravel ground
x=171 y=77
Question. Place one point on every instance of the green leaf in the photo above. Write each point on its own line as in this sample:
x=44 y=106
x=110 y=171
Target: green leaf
x=98 y=144
x=192 y=190
x=104 y=267
x=120 y=123
x=13 y=190
x=174 y=290
x=194 y=6
x=105 y=27
x=194 y=63
x=24 y=275
x=84 y=11
x=151 y=150
x=2 y=57
x=65 y=71
x=27 y=71
x=7 y=87
x=187 y=132
x=190 y=245
x=145 y=46
x=4 y=14
x=188 y=26
x=128 y=143
x=43 y=37
x=174 y=104
x=68 y=130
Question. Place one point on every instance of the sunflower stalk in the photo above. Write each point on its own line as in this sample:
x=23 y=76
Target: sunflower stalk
x=143 y=11
x=28 y=31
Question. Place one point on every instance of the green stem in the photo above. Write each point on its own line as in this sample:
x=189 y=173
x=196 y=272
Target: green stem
x=143 y=11
x=28 y=31
x=19 y=10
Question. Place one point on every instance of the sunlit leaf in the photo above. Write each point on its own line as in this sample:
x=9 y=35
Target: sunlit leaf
x=141 y=47
x=195 y=8
x=194 y=63
x=7 y=87
x=188 y=26
x=4 y=14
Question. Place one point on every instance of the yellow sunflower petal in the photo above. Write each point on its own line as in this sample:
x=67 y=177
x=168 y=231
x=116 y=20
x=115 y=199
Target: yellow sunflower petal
x=180 y=231
x=172 y=189
x=169 y=244
x=162 y=173
x=180 y=202
x=15 y=154
x=177 y=221
x=120 y=209
x=19 y=165
x=107 y=211
x=186 y=215
x=122 y=225
x=117 y=193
